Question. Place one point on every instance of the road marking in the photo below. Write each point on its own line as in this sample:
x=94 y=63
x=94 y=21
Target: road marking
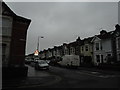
x=87 y=74
x=97 y=74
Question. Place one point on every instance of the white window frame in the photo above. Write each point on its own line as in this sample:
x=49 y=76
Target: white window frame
x=96 y=46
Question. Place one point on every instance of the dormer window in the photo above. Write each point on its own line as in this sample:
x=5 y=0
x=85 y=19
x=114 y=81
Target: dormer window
x=119 y=43
x=101 y=47
x=97 y=46
x=117 y=33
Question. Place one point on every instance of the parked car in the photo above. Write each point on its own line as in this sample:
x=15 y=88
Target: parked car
x=41 y=64
x=28 y=61
x=36 y=59
x=48 y=61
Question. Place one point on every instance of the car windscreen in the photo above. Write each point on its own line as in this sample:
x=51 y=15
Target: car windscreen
x=42 y=62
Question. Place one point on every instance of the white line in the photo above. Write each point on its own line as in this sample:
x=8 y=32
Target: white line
x=88 y=74
x=100 y=76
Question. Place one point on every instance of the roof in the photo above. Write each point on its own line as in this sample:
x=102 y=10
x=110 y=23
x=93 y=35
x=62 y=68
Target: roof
x=72 y=44
x=8 y=12
x=86 y=40
x=106 y=35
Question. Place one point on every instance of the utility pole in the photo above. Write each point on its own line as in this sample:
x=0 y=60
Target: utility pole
x=38 y=44
x=119 y=12
x=36 y=53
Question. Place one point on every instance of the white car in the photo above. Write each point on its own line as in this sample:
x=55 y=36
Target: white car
x=41 y=64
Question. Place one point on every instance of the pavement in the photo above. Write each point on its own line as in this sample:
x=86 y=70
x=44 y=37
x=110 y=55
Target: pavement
x=32 y=80
x=103 y=71
x=19 y=83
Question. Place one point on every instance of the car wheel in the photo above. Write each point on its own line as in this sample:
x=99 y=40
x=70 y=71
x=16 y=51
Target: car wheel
x=36 y=68
x=47 y=68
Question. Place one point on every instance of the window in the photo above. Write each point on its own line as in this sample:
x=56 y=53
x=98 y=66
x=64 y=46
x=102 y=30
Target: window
x=82 y=48
x=108 y=55
x=71 y=50
x=86 y=48
x=77 y=50
x=102 y=58
x=98 y=58
x=66 y=52
x=3 y=51
x=119 y=43
x=97 y=46
x=6 y=31
x=119 y=57
x=101 y=47
x=6 y=26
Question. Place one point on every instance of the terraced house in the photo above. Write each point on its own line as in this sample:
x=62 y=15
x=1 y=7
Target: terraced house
x=117 y=35
x=42 y=54
x=104 y=47
x=118 y=48
x=65 y=48
x=49 y=53
x=72 y=48
x=13 y=41
x=86 y=51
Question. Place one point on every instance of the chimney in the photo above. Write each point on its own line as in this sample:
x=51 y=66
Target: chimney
x=78 y=39
x=117 y=27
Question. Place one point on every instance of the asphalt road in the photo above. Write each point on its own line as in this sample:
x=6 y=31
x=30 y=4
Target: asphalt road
x=57 y=77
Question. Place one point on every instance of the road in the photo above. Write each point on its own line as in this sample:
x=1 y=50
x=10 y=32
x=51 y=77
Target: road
x=57 y=77
x=85 y=79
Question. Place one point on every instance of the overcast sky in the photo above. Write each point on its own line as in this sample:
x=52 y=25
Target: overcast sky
x=61 y=22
